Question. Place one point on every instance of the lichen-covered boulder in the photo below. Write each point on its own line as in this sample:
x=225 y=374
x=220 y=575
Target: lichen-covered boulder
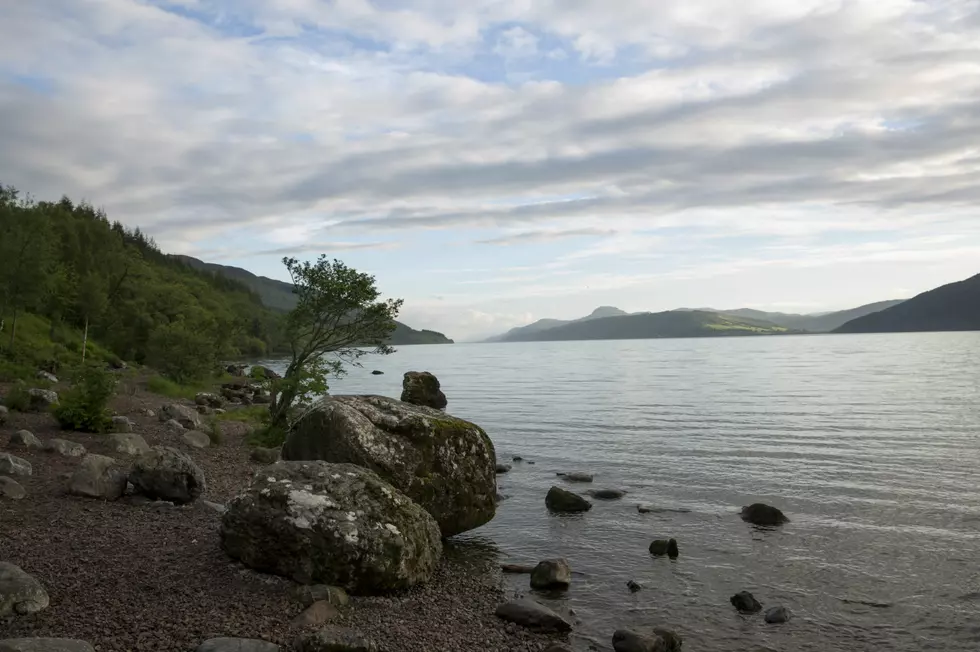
x=98 y=476
x=165 y=473
x=13 y=465
x=121 y=424
x=64 y=448
x=185 y=416
x=422 y=388
x=41 y=400
x=127 y=443
x=445 y=464
x=24 y=439
x=20 y=593
x=339 y=524
x=11 y=489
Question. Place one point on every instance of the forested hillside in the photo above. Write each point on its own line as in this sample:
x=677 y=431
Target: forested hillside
x=66 y=266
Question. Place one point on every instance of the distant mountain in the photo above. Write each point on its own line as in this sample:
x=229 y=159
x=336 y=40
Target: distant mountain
x=278 y=295
x=518 y=334
x=953 y=307
x=823 y=322
x=675 y=323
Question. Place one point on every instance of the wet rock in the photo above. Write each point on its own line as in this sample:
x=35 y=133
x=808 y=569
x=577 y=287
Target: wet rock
x=237 y=370
x=237 y=645
x=551 y=574
x=173 y=427
x=530 y=614
x=565 y=502
x=264 y=455
x=98 y=476
x=777 y=615
x=445 y=464
x=625 y=640
x=661 y=547
x=11 y=489
x=12 y=465
x=307 y=594
x=165 y=473
x=196 y=439
x=376 y=372
x=335 y=639
x=335 y=524
x=317 y=614
x=745 y=602
x=422 y=388
x=503 y=468
x=47 y=376
x=517 y=569
x=634 y=586
x=764 y=515
x=122 y=424
x=25 y=439
x=127 y=443
x=41 y=400
x=499 y=498
x=576 y=476
x=64 y=448
x=20 y=593
x=517 y=458
x=672 y=640
x=607 y=494
x=208 y=399
x=44 y=645
x=643 y=509
x=187 y=417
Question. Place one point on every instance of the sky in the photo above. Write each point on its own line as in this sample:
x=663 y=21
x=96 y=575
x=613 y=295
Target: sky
x=494 y=162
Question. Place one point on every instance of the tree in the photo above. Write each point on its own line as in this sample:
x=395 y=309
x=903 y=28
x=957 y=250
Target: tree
x=91 y=300
x=26 y=254
x=338 y=319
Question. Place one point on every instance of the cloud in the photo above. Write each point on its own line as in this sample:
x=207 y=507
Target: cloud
x=529 y=237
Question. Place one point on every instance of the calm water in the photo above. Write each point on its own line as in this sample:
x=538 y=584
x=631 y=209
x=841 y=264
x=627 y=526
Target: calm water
x=870 y=443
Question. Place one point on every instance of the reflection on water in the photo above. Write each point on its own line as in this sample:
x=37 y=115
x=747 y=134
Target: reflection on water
x=870 y=443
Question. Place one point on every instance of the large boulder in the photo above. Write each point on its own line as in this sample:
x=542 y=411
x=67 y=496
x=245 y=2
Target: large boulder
x=182 y=414
x=98 y=476
x=165 y=473
x=45 y=645
x=422 y=388
x=339 y=524
x=445 y=464
x=127 y=443
x=24 y=439
x=13 y=465
x=20 y=593
x=121 y=424
x=41 y=400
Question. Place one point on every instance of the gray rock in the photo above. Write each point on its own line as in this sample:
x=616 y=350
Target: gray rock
x=316 y=615
x=20 y=594
x=307 y=594
x=607 y=494
x=377 y=372
x=11 y=489
x=625 y=640
x=147 y=412
x=576 y=476
x=634 y=586
x=445 y=464
x=503 y=468
x=173 y=427
x=98 y=476
x=209 y=399
x=196 y=439
x=41 y=400
x=336 y=524
x=122 y=424
x=47 y=376
x=335 y=639
x=264 y=455
x=127 y=443
x=777 y=615
x=745 y=602
x=764 y=515
x=557 y=648
x=660 y=547
x=551 y=574
x=565 y=502
x=182 y=414
x=237 y=645
x=44 y=645
x=644 y=509
x=11 y=465
x=672 y=640
x=25 y=439
x=530 y=614
x=4 y=414
x=165 y=473
x=204 y=410
x=215 y=507
x=422 y=388
x=64 y=448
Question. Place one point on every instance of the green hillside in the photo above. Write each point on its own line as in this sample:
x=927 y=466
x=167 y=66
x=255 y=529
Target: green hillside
x=952 y=307
x=813 y=323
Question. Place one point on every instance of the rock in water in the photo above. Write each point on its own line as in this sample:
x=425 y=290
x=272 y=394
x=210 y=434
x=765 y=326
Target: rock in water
x=20 y=594
x=551 y=574
x=634 y=586
x=762 y=514
x=777 y=615
x=334 y=524
x=165 y=473
x=661 y=547
x=237 y=645
x=745 y=602
x=422 y=388
x=672 y=640
x=565 y=502
x=127 y=443
x=64 y=447
x=377 y=372
x=446 y=465
x=530 y=614
x=45 y=645
x=13 y=465
x=11 y=489
x=335 y=639
x=626 y=641
x=25 y=439
x=98 y=476
x=185 y=416
x=41 y=400
x=607 y=494
x=503 y=468
x=576 y=476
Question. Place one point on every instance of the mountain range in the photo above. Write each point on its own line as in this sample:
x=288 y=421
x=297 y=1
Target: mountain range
x=278 y=295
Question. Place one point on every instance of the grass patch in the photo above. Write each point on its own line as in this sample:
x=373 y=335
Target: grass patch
x=213 y=431
x=170 y=389
x=39 y=346
x=267 y=437
x=249 y=414
x=17 y=398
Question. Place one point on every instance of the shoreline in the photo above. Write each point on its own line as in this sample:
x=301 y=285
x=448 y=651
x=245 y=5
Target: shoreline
x=124 y=576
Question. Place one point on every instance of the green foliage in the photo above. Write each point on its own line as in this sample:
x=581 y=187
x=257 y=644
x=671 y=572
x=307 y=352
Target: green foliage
x=17 y=397
x=84 y=407
x=170 y=389
x=214 y=432
x=269 y=436
x=183 y=353
x=250 y=414
x=14 y=371
x=42 y=344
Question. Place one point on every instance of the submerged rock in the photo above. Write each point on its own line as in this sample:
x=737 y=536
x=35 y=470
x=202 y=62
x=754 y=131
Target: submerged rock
x=422 y=388
x=777 y=615
x=165 y=473
x=336 y=524
x=98 y=476
x=530 y=614
x=517 y=569
x=445 y=464
x=764 y=515
x=20 y=593
x=624 y=640
x=565 y=502
x=745 y=602
x=660 y=547
x=551 y=574
x=607 y=494
x=377 y=372
x=576 y=476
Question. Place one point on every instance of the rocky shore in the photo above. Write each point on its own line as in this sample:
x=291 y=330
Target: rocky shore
x=143 y=574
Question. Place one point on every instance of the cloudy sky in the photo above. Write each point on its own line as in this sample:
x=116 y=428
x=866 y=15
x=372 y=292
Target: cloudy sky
x=498 y=161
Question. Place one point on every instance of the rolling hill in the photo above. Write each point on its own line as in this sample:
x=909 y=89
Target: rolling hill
x=813 y=323
x=278 y=295
x=952 y=307
x=515 y=334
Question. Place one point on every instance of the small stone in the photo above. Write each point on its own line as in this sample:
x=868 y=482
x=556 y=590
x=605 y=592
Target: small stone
x=64 y=447
x=12 y=465
x=122 y=424
x=531 y=462
x=764 y=515
x=777 y=615
x=660 y=547
x=307 y=594
x=607 y=494
x=25 y=439
x=672 y=640
x=745 y=602
x=237 y=645
x=98 y=476
x=625 y=640
x=196 y=439
x=215 y=507
x=44 y=645
x=503 y=468
x=530 y=614
x=576 y=476
x=335 y=639
x=517 y=458
x=634 y=586
x=11 y=489
x=47 y=376
x=147 y=412
x=643 y=509
x=264 y=455
x=551 y=574
x=317 y=614
x=564 y=501
x=20 y=593
x=127 y=443
x=377 y=372
x=185 y=416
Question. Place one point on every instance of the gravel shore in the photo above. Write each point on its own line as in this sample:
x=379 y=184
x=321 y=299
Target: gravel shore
x=127 y=576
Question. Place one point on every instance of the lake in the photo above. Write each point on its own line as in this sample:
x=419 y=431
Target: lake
x=869 y=443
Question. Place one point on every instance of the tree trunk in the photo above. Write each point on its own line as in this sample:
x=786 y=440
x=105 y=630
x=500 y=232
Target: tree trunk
x=85 y=341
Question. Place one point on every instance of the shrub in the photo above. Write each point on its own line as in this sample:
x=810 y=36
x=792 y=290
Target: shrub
x=268 y=436
x=214 y=432
x=181 y=352
x=84 y=406
x=17 y=398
